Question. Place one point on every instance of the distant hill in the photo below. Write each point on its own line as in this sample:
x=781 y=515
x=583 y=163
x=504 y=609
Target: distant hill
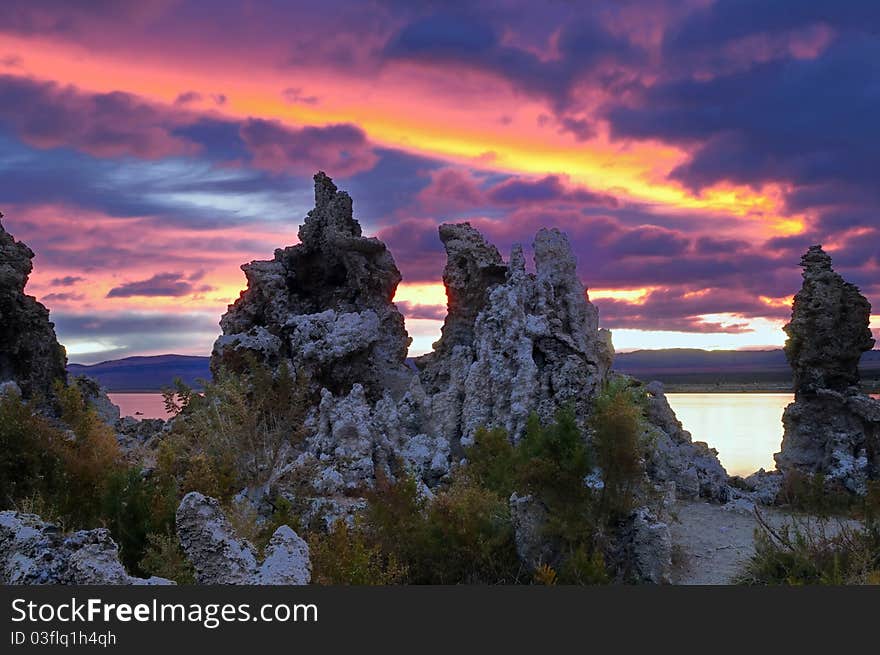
x=145 y=373
x=674 y=366
x=748 y=368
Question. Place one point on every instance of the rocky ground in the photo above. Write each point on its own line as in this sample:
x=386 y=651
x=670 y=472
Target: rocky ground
x=712 y=542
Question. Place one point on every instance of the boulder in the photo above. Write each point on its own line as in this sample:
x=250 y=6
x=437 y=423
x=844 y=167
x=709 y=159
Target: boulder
x=529 y=517
x=35 y=552
x=650 y=548
x=219 y=556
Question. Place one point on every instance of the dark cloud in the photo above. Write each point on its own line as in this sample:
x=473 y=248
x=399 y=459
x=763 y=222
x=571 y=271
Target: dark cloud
x=729 y=20
x=342 y=149
x=751 y=127
x=586 y=50
x=296 y=96
x=63 y=297
x=417 y=249
x=70 y=18
x=187 y=98
x=66 y=281
x=412 y=310
x=708 y=245
x=114 y=124
x=549 y=189
x=162 y=284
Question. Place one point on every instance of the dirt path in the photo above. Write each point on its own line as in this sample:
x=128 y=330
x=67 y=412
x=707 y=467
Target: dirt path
x=711 y=542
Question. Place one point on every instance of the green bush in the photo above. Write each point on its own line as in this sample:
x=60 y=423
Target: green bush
x=30 y=466
x=462 y=535
x=493 y=461
x=618 y=424
x=71 y=472
x=164 y=557
x=551 y=463
x=811 y=494
x=467 y=538
x=90 y=456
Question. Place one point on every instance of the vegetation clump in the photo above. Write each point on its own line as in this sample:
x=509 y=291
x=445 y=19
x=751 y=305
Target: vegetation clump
x=819 y=548
x=465 y=533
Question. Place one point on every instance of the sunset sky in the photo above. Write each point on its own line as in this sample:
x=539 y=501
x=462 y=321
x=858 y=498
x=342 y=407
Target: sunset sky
x=691 y=150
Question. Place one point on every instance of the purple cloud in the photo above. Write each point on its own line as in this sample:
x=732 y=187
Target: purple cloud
x=172 y=285
x=341 y=148
x=66 y=281
x=48 y=115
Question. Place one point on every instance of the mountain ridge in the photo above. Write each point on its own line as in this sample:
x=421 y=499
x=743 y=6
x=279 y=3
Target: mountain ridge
x=151 y=373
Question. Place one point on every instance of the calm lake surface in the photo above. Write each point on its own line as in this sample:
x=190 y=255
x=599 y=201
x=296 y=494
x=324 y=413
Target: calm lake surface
x=140 y=405
x=745 y=428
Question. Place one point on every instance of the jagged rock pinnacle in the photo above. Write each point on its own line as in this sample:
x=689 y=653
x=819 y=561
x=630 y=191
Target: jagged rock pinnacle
x=30 y=355
x=815 y=260
x=323 y=305
x=832 y=428
x=829 y=329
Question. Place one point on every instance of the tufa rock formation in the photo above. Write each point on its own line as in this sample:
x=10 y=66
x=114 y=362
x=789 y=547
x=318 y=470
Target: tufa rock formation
x=691 y=465
x=828 y=331
x=512 y=343
x=30 y=355
x=323 y=305
x=831 y=428
x=35 y=552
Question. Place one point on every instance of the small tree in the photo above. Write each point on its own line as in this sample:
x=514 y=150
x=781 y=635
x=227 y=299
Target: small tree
x=617 y=422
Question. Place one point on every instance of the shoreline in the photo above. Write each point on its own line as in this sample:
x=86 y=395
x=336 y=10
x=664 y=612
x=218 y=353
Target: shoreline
x=667 y=388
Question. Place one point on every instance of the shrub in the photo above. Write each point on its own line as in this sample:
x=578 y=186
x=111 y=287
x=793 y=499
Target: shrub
x=816 y=551
x=30 y=467
x=467 y=538
x=544 y=575
x=165 y=558
x=811 y=494
x=71 y=473
x=235 y=434
x=394 y=517
x=492 y=461
x=584 y=566
x=617 y=422
x=346 y=556
x=550 y=462
x=91 y=458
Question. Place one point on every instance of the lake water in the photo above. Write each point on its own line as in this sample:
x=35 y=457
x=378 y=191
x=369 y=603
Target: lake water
x=140 y=405
x=745 y=428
